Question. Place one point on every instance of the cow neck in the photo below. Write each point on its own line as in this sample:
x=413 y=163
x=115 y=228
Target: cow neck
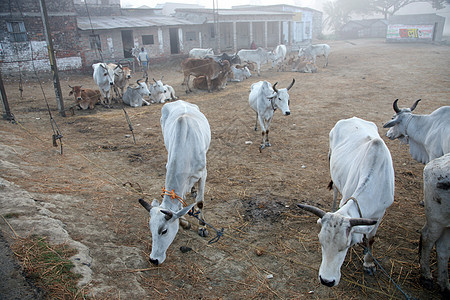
x=357 y=205
x=272 y=102
x=173 y=196
x=406 y=126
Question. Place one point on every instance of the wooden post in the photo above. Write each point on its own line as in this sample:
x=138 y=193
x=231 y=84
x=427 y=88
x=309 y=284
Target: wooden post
x=6 y=111
x=52 y=58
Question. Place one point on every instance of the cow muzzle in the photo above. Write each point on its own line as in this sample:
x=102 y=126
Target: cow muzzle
x=326 y=282
x=287 y=113
x=154 y=261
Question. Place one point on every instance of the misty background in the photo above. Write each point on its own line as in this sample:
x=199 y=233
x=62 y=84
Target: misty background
x=421 y=7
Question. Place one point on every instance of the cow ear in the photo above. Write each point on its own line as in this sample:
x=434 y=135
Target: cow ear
x=184 y=211
x=70 y=93
x=391 y=123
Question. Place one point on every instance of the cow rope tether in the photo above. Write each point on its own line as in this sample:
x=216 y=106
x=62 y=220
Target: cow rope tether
x=174 y=196
x=357 y=204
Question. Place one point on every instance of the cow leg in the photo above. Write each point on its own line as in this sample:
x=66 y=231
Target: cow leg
x=184 y=223
x=326 y=62
x=369 y=264
x=263 y=133
x=267 y=133
x=428 y=238
x=335 y=193
x=258 y=66
x=443 y=252
x=200 y=194
x=208 y=83
x=186 y=81
x=256 y=123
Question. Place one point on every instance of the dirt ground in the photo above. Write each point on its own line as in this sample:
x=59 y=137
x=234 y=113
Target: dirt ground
x=92 y=189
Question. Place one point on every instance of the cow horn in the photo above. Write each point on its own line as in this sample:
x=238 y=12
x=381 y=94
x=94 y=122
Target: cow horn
x=162 y=77
x=168 y=214
x=292 y=83
x=274 y=87
x=362 y=221
x=317 y=211
x=146 y=79
x=137 y=81
x=70 y=86
x=145 y=204
x=414 y=105
x=396 y=109
x=154 y=80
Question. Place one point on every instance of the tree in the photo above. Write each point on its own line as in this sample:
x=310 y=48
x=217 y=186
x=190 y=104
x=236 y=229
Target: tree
x=390 y=7
x=336 y=15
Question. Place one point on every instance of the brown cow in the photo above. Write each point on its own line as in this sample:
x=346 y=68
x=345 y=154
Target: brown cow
x=121 y=77
x=217 y=83
x=85 y=98
x=203 y=67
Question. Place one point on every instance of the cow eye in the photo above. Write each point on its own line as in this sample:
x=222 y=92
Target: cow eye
x=164 y=231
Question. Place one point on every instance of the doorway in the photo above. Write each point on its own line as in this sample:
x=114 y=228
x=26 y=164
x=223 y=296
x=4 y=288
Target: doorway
x=174 y=41
x=127 y=42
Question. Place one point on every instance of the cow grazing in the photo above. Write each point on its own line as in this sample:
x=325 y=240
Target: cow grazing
x=258 y=56
x=217 y=83
x=239 y=74
x=160 y=92
x=278 y=55
x=203 y=67
x=264 y=100
x=201 y=53
x=361 y=169
x=104 y=78
x=187 y=136
x=85 y=98
x=121 y=77
x=428 y=135
x=312 y=51
x=436 y=190
x=133 y=96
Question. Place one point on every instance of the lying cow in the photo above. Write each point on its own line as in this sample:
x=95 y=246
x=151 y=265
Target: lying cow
x=361 y=169
x=121 y=78
x=428 y=135
x=187 y=136
x=203 y=67
x=201 y=53
x=217 y=83
x=160 y=92
x=239 y=73
x=264 y=100
x=85 y=98
x=104 y=78
x=312 y=51
x=133 y=96
x=303 y=66
x=436 y=190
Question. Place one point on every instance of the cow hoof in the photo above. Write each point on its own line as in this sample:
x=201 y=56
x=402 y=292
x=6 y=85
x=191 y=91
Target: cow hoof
x=203 y=232
x=372 y=270
x=426 y=283
x=268 y=145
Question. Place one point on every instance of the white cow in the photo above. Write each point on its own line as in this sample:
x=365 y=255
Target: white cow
x=201 y=53
x=133 y=96
x=258 y=56
x=312 y=51
x=361 y=169
x=264 y=100
x=160 y=92
x=239 y=74
x=278 y=55
x=187 y=136
x=436 y=190
x=104 y=78
x=428 y=135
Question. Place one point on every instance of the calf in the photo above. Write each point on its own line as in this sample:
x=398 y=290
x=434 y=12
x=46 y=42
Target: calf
x=160 y=92
x=239 y=73
x=85 y=98
x=121 y=78
x=361 y=169
x=436 y=190
x=312 y=51
x=133 y=96
x=187 y=136
x=218 y=83
x=264 y=100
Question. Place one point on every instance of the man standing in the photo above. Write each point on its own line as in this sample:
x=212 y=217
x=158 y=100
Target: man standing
x=144 y=61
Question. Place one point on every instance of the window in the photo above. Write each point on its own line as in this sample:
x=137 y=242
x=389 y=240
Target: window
x=148 y=39
x=17 y=32
x=94 y=41
x=191 y=36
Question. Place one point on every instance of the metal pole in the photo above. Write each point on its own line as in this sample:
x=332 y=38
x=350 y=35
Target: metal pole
x=6 y=111
x=52 y=58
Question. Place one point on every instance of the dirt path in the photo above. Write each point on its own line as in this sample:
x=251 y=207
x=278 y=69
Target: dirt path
x=91 y=191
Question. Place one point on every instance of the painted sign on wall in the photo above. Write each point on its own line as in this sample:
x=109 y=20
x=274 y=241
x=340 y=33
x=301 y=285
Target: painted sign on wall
x=399 y=31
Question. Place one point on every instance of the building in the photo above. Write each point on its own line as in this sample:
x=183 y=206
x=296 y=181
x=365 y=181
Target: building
x=423 y=28
x=23 y=46
x=372 y=28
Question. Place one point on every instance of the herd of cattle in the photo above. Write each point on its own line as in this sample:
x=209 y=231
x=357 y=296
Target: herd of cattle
x=361 y=165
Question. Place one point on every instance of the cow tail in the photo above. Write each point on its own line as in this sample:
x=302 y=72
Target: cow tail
x=330 y=185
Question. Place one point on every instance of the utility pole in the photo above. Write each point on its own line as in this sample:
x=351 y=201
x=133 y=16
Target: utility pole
x=52 y=58
x=7 y=115
x=216 y=23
